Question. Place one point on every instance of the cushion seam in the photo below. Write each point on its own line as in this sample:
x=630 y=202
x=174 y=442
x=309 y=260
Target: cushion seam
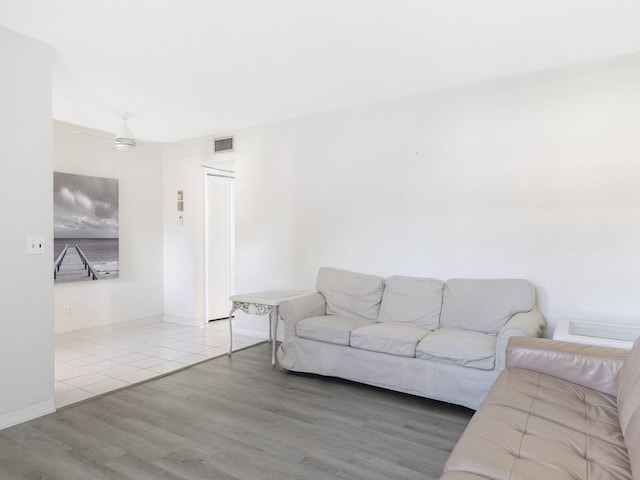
x=526 y=425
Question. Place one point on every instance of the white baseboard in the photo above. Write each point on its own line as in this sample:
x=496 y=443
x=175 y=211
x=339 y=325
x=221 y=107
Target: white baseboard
x=107 y=329
x=250 y=333
x=14 y=418
x=191 y=322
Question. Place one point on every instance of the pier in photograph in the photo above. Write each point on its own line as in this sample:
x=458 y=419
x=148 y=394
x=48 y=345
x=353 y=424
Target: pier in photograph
x=72 y=265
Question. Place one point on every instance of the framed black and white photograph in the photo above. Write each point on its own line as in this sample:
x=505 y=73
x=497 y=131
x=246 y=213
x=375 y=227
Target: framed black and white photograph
x=85 y=223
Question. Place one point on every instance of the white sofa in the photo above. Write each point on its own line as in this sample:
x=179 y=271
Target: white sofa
x=445 y=341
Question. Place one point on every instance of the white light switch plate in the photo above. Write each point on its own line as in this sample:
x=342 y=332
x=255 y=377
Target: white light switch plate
x=35 y=245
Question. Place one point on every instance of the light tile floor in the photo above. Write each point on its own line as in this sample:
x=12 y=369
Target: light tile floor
x=98 y=360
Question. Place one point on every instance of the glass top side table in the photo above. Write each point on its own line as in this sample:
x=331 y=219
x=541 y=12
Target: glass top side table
x=596 y=333
x=261 y=303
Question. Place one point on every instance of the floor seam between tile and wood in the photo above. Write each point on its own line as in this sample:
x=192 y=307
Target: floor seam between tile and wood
x=93 y=362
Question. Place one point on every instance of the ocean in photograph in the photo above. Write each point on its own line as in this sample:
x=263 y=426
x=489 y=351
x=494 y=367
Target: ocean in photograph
x=102 y=253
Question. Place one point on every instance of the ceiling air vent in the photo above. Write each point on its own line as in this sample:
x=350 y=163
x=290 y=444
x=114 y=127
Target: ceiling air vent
x=221 y=145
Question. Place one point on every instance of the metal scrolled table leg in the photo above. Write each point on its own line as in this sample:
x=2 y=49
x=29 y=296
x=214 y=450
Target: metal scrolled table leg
x=233 y=309
x=273 y=330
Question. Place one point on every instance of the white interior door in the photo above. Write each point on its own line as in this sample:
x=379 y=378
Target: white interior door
x=219 y=243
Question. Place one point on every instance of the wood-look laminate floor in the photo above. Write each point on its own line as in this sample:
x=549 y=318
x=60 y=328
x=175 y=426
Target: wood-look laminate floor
x=237 y=418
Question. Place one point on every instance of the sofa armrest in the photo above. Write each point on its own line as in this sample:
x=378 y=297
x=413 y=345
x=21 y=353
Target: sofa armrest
x=587 y=365
x=526 y=324
x=293 y=310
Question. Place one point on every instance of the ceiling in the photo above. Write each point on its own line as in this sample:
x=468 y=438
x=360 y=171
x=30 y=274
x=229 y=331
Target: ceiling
x=187 y=68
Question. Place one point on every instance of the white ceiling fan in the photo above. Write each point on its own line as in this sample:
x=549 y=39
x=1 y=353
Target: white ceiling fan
x=123 y=139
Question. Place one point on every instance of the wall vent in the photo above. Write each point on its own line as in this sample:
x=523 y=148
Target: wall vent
x=221 y=145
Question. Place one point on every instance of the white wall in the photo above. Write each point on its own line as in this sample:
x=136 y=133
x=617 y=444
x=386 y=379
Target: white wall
x=184 y=242
x=26 y=296
x=138 y=292
x=536 y=176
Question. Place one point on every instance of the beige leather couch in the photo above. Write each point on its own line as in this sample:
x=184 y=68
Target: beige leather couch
x=442 y=340
x=558 y=411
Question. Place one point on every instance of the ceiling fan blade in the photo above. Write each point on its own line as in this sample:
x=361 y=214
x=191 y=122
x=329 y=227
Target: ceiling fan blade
x=95 y=135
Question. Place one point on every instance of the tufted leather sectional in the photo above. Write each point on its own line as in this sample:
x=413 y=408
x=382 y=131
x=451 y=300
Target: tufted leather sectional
x=558 y=411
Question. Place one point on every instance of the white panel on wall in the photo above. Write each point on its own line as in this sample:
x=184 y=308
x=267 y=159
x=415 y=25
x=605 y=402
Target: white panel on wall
x=535 y=177
x=26 y=296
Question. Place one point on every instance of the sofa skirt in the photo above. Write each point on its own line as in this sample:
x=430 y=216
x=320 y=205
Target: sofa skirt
x=422 y=377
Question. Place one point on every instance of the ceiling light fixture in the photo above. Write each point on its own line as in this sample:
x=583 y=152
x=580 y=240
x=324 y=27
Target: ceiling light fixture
x=124 y=144
x=124 y=138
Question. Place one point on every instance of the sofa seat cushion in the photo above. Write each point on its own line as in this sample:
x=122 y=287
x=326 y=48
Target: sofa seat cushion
x=388 y=338
x=535 y=426
x=330 y=328
x=460 y=347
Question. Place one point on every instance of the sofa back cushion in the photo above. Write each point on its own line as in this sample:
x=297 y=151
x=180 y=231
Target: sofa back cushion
x=629 y=406
x=484 y=305
x=350 y=294
x=412 y=301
